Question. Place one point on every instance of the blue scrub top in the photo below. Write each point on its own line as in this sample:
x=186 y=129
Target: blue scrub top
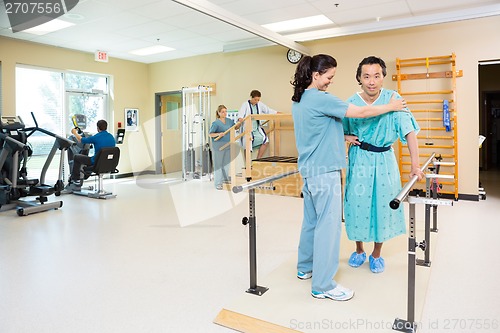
x=319 y=134
x=219 y=127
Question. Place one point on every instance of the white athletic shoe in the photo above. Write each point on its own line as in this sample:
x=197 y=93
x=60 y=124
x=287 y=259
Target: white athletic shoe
x=304 y=275
x=338 y=293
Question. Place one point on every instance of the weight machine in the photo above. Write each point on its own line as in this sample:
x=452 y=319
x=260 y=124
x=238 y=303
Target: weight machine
x=196 y=156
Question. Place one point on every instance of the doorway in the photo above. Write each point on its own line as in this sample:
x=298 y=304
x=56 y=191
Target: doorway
x=491 y=130
x=168 y=112
x=489 y=116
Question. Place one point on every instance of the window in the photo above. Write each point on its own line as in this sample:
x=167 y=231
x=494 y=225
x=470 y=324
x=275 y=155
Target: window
x=54 y=97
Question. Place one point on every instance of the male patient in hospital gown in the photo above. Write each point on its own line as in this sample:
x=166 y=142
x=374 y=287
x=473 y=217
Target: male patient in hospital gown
x=373 y=178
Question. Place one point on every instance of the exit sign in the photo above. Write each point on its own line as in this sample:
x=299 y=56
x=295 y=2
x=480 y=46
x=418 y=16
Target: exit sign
x=101 y=56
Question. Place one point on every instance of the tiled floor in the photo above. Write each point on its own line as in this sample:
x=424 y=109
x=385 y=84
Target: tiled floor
x=167 y=256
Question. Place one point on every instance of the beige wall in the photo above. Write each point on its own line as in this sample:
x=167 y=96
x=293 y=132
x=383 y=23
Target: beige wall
x=131 y=88
x=267 y=69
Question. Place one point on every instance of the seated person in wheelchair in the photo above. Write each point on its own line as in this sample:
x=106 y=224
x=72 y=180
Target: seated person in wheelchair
x=100 y=140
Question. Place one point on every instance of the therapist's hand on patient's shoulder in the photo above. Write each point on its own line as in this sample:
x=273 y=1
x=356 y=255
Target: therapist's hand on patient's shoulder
x=398 y=104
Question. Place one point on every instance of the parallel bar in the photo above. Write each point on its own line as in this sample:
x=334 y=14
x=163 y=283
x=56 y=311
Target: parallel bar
x=394 y=204
x=252 y=222
x=251 y=185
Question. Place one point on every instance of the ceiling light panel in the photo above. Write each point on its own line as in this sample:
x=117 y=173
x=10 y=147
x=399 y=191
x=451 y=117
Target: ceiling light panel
x=49 y=27
x=155 y=49
x=299 y=24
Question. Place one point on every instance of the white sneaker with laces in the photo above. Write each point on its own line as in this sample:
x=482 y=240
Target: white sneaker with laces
x=339 y=293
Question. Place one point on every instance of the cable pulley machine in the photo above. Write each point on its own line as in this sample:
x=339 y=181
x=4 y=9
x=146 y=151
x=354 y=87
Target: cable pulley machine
x=196 y=158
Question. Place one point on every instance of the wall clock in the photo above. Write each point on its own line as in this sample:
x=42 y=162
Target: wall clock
x=293 y=56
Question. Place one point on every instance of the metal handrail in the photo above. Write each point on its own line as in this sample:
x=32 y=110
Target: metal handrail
x=12 y=140
x=394 y=204
x=251 y=185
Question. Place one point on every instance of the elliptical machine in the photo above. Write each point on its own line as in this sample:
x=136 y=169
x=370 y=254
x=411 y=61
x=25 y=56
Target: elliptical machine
x=14 y=155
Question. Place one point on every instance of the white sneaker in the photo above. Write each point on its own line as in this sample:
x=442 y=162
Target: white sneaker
x=339 y=293
x=304 y=275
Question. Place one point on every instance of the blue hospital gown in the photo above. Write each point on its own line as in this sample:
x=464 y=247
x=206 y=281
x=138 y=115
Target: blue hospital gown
x=372 y=178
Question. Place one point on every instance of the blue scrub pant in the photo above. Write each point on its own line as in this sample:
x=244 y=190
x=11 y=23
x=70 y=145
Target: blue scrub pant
x=321 y=229
x=221 y=160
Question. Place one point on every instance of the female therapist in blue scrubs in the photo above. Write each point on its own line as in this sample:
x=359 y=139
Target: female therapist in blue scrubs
x=221 y=158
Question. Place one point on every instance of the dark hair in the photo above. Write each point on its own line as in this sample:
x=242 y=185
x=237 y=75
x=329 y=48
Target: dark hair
x=371 y=60
x=102 y=125
x=255 y=93
x=303 y=73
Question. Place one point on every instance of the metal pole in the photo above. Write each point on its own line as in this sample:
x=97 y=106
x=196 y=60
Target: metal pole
x=253 y=239
x=409 y=325
x=411 y=265
x=406 y=189
x=184 y=135
x=435 y=188
x=427 y=231
x=256 y=183
x=252 y=223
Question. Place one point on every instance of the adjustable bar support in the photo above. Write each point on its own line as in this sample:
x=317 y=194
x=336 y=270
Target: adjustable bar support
x=252 y=222
x=252 y=226
x=427 y=231
x=409 y=325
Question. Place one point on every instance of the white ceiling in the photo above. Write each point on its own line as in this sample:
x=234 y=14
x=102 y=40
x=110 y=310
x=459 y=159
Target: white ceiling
x=119 y=26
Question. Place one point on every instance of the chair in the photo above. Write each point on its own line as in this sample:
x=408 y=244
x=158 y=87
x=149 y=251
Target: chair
x=106 y=162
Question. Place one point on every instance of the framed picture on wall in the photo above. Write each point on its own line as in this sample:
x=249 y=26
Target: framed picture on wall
x=131 y=119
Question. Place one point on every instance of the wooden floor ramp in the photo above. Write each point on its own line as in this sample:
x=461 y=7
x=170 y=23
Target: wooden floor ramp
x=246 y=324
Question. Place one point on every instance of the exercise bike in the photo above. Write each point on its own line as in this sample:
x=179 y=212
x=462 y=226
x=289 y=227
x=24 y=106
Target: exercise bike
x=79 y=122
